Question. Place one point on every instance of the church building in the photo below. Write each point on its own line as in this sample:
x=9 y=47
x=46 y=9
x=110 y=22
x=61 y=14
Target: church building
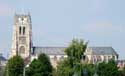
x=22 y=45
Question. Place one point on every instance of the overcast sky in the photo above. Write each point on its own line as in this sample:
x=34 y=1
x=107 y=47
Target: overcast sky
x=57 y=22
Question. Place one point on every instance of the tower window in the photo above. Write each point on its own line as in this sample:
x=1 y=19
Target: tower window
x=22 y=19
x=22 y=50
x=20 y=30
x=23 y=30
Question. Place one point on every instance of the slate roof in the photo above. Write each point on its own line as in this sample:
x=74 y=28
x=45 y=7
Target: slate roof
x=49 y=50
x=103 y=51
x=60 y=50
x=2 y=58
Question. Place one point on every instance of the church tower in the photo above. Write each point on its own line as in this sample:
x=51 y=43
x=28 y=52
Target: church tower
x=22 y=33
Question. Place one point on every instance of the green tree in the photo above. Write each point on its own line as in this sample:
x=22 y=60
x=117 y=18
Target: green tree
x=90 y=69
x=40 y=66
x=15 y=66
x=108 y=69
x=64 y=68
x=72 y=64
x=122 y=72
x=76 y=49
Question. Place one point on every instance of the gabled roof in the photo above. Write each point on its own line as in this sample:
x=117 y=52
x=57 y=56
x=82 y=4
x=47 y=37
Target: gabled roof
x=60 y=50
x=2 y=58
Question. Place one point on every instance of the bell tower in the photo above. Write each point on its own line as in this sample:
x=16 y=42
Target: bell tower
x=22 y=33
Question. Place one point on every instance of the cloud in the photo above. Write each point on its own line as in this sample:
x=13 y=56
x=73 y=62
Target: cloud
x=103 y=28
x=6 y=9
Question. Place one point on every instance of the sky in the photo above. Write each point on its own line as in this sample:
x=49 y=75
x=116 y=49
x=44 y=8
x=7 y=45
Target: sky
x=57 y=22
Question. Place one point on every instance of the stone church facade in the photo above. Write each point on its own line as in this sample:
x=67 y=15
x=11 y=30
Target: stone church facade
x=22 y=45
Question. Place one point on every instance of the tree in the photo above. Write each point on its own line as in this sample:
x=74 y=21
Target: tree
x=90 y=69
x=76 y=49
x=64 y=68
x=72 y=63
x=122 y=72
x=15 y=66
x=108 y=69
x=40 y=66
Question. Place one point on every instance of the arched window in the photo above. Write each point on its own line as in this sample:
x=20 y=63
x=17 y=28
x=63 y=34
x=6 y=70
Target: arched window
x=94 y=58
x=55 y=58
x=86 y=60
x=23 y=30
x=22 y=49
x=61 y=58
x=99 y=58
x=105 y=58
x=113 y=57
x=22 y=18
x=20 y=30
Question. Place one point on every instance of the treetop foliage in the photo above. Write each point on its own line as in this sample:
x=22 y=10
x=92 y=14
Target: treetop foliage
x=76 y=49
x=71 y=64
x=40 y=66
x=15 y=66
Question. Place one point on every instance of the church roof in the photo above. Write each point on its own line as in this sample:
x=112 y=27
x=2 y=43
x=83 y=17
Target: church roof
x=49 y=50
x=103 y=51
x=60 y=50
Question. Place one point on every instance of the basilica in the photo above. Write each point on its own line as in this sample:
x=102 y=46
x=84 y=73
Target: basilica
x=22 y=45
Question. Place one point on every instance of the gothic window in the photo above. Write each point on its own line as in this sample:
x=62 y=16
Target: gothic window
x=99 y=58
x=94 y=59
x=105 y=58
x=20 y=30
x=109 y=57
x=113 y=57
x=61 y=58
x=23 y=30
x=86 y=59
x=55 y=58
x=22 y=50
x=22 y=19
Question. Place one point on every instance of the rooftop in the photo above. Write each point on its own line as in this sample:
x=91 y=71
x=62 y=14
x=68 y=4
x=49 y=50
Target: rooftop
x=60 y=50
